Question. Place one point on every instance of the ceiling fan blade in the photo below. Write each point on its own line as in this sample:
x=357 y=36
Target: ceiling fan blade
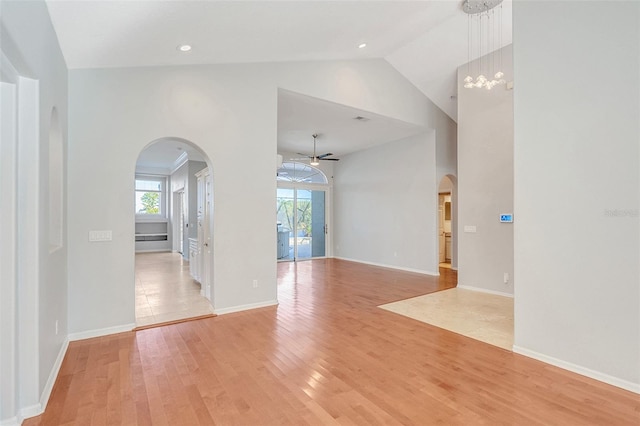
x=304 y=155
x=325 y=155
x=329 y=159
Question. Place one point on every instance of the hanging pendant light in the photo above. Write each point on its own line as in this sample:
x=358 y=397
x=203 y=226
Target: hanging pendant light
x=487 y=28
x=314 y=161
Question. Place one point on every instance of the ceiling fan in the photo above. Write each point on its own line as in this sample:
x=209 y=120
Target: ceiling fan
x=315 y=159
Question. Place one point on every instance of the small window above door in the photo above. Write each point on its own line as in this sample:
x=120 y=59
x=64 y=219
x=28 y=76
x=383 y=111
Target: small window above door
x=300 y=173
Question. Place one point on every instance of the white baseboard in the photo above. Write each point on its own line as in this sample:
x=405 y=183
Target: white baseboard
x=583 y=371
x=30 y=411
x=101 y=332
x=53 y=375
x=484 y=290
x=382 y=265
x=13 y=421
x=37 y=409
x=241 y=308
x=25 y=413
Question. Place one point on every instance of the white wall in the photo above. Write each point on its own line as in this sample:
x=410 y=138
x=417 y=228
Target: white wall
x=29 y=44
x=485 y=183
x=386 y=204
x=577 y=186
x=230 y=112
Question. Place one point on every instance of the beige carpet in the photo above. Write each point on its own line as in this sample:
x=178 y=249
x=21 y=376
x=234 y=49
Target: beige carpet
x=481 y=316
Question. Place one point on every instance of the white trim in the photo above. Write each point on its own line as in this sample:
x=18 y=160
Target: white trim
x=602 y=377
x=179 y=162
x=48 y=387
x=30 y=411
x=484 y=290
x=247 y=307
x=159 y=171
x=101 y=332
x=12 y=421
x=29 y=244
x=8 y=72
x=382 y=265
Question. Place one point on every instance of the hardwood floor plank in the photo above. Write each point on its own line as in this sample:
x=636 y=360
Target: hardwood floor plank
x=327 y=355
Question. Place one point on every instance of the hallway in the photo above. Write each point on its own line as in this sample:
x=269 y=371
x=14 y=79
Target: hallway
x=165 y=291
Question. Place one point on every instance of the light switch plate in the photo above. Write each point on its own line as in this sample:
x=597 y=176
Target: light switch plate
x=469 y=228
x=95 y=236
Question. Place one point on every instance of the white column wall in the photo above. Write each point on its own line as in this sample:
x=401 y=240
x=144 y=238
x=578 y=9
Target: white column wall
x=577 y=186
x=485 y=183
x=29 y=43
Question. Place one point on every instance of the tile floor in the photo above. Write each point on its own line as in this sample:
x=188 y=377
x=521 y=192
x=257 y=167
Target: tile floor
x=165 y=290
x=481 y=316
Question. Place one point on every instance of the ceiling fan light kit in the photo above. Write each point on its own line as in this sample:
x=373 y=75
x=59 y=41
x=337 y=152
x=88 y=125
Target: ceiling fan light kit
x=315 y=159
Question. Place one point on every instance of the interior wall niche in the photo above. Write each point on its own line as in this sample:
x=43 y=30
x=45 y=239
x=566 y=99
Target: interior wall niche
x=56 y=169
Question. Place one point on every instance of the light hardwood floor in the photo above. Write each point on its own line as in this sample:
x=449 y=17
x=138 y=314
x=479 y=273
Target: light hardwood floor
x=326 y=355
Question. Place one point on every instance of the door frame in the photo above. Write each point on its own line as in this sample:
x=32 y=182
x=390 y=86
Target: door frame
x=327 y=215
x=178 y=211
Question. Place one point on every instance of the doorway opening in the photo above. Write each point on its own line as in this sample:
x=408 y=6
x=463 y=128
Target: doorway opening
x=173 y=263
x=302 y=205
x=446 y=226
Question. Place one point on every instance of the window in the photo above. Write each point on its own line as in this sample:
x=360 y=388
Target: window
x=150 y=196
x=300 y=173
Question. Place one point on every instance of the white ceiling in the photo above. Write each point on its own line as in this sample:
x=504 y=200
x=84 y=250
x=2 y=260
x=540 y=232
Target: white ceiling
x=424 y=40
x=146 y=33
x=164 y=155
x=300 y=116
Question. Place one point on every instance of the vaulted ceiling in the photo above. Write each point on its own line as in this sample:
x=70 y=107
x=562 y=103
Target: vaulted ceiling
x=424 y=40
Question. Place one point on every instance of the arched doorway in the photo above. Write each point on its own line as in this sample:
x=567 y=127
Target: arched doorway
x=447 y=222
x=173 y=214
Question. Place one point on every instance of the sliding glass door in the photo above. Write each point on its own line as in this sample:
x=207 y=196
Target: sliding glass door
x=302 y=228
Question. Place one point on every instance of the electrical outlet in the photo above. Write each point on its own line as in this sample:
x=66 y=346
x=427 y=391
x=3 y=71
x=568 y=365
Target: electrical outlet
x=506 y=278
x=395 y=254
x=255 y=283
x=56 y=327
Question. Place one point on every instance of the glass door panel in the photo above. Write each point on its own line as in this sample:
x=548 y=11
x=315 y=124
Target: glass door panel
x=310 y=230
x=301 y=223
x=303 y=228
x=285 y=202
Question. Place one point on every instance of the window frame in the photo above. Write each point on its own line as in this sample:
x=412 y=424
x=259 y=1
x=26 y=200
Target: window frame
x=299 y=173
x=163 y=215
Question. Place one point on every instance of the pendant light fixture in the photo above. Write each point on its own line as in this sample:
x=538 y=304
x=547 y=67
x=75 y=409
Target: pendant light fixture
x=485 y=26
x=315 y=161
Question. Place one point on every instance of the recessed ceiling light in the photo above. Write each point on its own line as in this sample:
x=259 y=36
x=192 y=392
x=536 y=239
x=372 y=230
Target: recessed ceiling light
x=184 y=47
x=362 y=45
